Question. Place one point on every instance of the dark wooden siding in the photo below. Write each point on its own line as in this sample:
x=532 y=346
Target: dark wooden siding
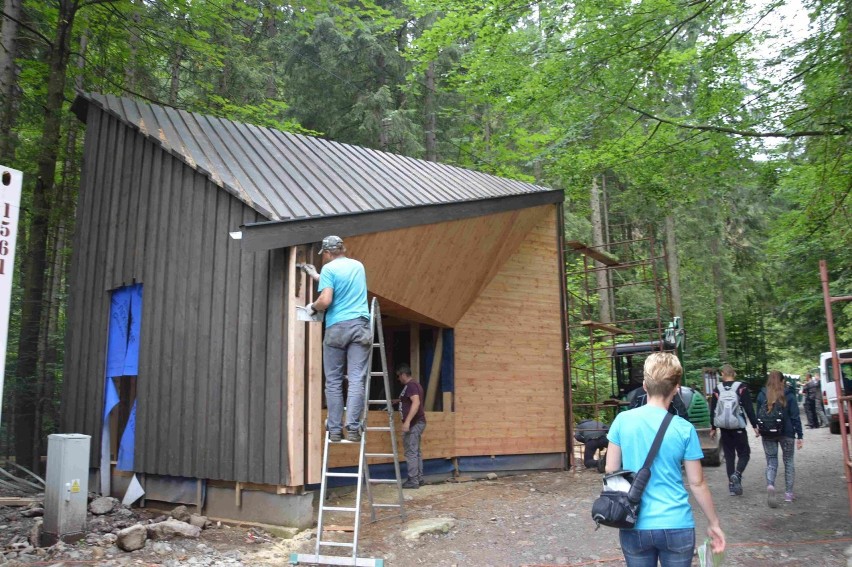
x=212 y=383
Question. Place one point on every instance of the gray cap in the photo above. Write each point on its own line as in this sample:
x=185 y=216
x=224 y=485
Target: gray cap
x=331 y=243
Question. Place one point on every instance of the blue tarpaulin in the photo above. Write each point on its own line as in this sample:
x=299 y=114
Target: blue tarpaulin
x=128 y=443
x=125 y=324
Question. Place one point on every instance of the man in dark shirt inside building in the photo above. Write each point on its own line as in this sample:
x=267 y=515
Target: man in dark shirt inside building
x=413 y=424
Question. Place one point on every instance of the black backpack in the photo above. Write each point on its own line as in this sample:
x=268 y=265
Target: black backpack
x=770 y=422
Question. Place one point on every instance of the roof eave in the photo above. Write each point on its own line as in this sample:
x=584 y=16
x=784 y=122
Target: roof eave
x=261 y=236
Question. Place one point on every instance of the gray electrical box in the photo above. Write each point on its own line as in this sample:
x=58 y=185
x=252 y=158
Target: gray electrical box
x=67 y=488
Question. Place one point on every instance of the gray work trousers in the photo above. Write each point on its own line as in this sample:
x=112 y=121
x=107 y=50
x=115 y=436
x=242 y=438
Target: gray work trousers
x=413 y=456
x=346 y=344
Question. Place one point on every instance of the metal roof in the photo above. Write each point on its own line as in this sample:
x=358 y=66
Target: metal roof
x=287 y=176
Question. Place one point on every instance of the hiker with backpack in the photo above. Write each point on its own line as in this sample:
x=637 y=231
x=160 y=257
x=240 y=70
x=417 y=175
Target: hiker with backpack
x=779 y=424
x=730 y=406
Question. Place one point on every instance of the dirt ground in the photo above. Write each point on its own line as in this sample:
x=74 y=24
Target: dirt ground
x=543 y=519
x=539 y=519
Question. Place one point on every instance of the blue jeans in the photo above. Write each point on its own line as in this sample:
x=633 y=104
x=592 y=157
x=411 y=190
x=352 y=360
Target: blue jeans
x=643 y=548
x=348 y=344
x=788 y=447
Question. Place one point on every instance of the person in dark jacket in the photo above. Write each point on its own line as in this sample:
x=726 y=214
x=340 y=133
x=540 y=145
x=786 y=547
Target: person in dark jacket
x=734 y=441
x=776 y=391
x=811 y=390
x=592 y=434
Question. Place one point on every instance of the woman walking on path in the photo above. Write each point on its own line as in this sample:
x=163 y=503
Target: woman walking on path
x=777 y=398
x=665 y=531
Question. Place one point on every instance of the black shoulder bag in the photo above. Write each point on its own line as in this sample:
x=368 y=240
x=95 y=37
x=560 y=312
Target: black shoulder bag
x=618 y=504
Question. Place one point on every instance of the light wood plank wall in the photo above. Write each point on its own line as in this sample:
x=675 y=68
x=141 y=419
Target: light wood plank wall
x=509 y=382
x=508 y=362
x=438 y=270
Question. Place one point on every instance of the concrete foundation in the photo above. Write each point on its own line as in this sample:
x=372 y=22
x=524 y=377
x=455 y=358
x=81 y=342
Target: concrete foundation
x=295 y=510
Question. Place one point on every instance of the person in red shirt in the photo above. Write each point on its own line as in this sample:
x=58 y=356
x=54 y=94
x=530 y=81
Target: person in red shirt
x=413 y=424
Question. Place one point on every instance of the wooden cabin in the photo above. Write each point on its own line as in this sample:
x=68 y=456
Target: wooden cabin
x=184 y=359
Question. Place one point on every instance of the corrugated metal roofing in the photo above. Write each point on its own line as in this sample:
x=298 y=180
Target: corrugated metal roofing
x=290 y=176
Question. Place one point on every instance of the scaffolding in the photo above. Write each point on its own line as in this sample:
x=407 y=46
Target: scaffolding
x=631 y=277
x=844 y=399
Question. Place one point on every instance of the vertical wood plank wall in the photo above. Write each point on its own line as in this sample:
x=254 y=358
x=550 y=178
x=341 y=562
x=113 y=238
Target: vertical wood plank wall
x=509 y=381
x=212 y=373
x=508 y=364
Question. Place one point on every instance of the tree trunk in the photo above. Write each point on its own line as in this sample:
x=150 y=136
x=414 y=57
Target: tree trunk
x=130 y=69
x=721 y=333
x=8 y=79
x=431 y=119
x=33 y=277
x=673 y=267
x=604 y=305
x=174 y=86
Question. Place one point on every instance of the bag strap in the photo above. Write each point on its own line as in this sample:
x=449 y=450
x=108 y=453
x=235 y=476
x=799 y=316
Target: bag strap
x=658 y=440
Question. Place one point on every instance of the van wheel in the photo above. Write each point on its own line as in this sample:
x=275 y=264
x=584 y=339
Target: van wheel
x=834 y=427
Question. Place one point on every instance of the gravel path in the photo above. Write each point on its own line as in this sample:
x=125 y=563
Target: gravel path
x=530 y=520
x=543 y=518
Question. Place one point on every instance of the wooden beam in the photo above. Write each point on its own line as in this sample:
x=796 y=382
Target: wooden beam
x=314 y=423
x=435 y=374
x=605 y=327
x=601 y=256
x=18 y=501
x=296 y=377
x=414 y=352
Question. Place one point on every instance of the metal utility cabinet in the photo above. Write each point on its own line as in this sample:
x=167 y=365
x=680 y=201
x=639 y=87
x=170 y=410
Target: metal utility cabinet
x=67 y=488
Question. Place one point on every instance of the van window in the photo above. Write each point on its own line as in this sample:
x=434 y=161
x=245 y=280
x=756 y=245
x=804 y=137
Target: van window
x=845 y=372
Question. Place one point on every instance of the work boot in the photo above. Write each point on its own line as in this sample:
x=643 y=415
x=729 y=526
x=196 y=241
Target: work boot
x=335 y=436
x=411 y=483
x=771 y=497
x=353 y=436
x=736 y=485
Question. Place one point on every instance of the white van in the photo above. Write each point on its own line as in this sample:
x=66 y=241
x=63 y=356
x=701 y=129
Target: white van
x=829 y=389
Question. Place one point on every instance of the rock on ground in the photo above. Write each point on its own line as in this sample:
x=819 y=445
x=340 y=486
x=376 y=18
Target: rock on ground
x=181 y=513
x=132 y=538
x=172 y=528
x=103 y=505
x=413 y=530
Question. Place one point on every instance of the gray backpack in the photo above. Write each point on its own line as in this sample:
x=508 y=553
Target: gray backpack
x=729 y=412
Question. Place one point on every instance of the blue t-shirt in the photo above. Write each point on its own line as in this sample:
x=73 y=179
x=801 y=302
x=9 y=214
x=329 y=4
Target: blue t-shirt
x=349 y=281
x=665 y=502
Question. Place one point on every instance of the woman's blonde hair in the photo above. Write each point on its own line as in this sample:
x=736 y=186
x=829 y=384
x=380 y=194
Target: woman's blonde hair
x=775 y=386
x=662 y=374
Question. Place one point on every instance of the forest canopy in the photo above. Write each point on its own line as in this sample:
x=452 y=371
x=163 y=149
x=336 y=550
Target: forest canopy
x=727 y=121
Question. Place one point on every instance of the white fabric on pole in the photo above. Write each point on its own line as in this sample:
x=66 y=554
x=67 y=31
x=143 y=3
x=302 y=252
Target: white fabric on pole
x=134 y=492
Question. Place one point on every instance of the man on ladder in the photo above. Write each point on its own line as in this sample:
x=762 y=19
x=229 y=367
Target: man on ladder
x=343 y=296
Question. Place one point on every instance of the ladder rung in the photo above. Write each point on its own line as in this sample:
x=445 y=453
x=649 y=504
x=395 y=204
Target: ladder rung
x=377 y=345
x=378 y=402
x=378 y=429
x=336 y=544
x=343 y=474
x=386 y=506
x=378 y=454
x=377 y=373
x=383 y=480
x=338 y=509
x=333 y=560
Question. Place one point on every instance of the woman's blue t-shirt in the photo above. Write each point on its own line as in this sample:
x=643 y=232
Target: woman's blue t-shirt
x=665 y=503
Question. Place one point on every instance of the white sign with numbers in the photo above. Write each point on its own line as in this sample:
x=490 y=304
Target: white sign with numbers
x=10 y=201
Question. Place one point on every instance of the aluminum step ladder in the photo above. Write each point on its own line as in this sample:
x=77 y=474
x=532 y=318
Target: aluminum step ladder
x=364 y=481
